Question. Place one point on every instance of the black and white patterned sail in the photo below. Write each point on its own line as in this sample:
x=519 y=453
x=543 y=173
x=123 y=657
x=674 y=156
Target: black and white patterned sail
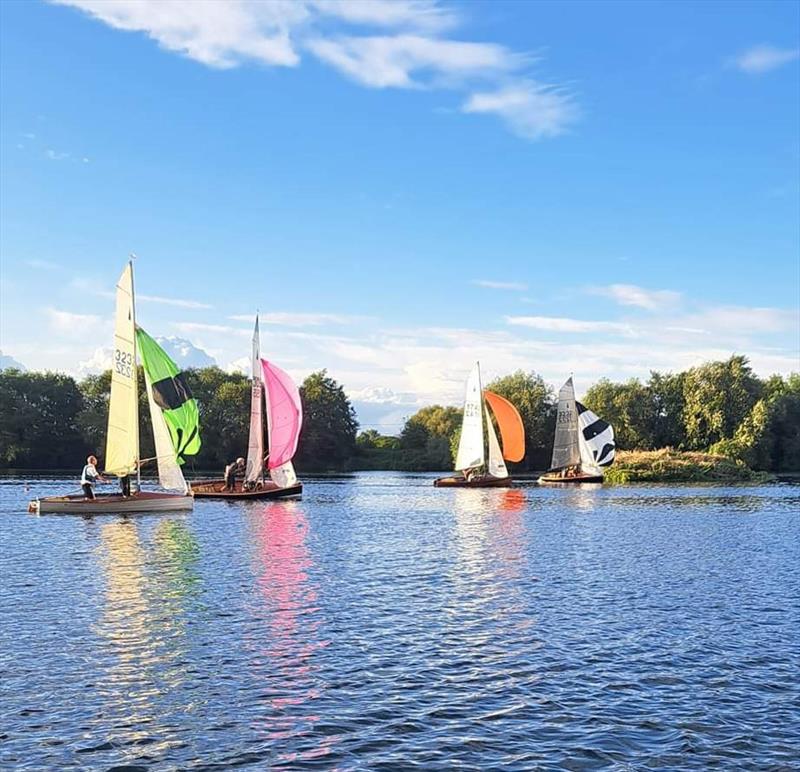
x=596 y=439
x=566 y=451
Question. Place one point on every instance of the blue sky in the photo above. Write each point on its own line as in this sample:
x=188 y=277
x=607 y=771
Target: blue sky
x=403 y=187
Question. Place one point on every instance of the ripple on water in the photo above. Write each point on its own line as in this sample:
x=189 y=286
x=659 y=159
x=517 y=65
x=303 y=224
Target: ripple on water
x=380 y=623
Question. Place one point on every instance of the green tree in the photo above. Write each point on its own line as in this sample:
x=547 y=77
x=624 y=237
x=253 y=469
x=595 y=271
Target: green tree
x=427 y=435
x=39 y=420
x=666 y=404
x=717 y=398
x=328 y=437
x=628 y=408
x=536 y=405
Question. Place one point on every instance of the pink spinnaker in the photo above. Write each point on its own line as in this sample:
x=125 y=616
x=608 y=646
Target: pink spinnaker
x=284 y=413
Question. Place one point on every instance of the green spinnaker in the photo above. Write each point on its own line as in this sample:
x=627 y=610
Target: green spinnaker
x=172 y=394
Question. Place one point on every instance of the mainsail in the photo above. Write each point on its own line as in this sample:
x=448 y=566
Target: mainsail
x=122 y=439
x=597 y=446
x=284 y=420
x=255 y=443
x=566 y=451
x=173 y=410
x=512 y=429
x=470 y=446
x=496 y=467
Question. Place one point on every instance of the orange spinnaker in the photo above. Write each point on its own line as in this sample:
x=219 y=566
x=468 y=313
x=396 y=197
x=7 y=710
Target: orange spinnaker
x=511 y=429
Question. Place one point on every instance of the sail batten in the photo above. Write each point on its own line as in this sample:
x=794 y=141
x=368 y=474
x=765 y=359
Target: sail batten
x=122 y=436
x=470 y=445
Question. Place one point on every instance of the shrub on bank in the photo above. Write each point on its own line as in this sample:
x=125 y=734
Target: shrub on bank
x=668 y=465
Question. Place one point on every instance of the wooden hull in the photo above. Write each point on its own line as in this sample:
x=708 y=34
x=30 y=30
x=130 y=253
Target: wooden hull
x=111 y=504
x=554 y=477
x=480 y=482
x=215 y=489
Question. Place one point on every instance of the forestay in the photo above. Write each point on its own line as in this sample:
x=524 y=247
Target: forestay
x=122 y=439
x=470 y=446
x=566 y=451
x=255 y=443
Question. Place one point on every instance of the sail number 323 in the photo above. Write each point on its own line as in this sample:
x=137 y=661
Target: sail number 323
x=123 y=363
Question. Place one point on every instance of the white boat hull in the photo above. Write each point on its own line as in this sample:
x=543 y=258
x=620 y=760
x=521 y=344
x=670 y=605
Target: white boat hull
x=110 y=504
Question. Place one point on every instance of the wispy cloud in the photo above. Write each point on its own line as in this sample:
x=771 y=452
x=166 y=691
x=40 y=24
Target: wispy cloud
x=290 y=319
x=639 y=297
x=74 y=325
x=172 y=301
x=55 y=155
x=413 y=48
x=500 y=285
x=563 y=324
x=764 y=58
x=222 y=329
x=43 y=265
x=532 y=110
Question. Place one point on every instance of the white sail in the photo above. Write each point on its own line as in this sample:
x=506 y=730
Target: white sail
x=566 y=451
x=470 y=446
x=122 y=438
x=255 y=443
x=596 y=441
x=497 y=466
x=170 y=475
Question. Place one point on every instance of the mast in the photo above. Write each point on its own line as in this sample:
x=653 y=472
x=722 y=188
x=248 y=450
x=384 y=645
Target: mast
x=482 y=408
x=135 y=377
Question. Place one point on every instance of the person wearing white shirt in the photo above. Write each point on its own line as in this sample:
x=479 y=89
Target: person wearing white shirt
x=90 y=476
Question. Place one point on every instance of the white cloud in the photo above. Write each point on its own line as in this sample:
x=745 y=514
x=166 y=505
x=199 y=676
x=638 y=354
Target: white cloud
x=55 y=155
x=74 y=325
x=7 y=362
x=172 y=301
x=220 y=329
x=218 y=34
x=184 y=353
x=413 y=49
x=400 y=60
x=631 y=295
x=562 y=324
x=98 y=362
x=501 y=285
x=532 y=110
x=760 y=59
x=240 y=365
x=290 y=319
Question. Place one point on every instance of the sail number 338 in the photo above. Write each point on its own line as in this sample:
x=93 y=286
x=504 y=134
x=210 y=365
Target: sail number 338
x=123 y=363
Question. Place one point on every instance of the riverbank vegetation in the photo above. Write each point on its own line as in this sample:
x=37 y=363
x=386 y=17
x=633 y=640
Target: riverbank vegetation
x=740 y=422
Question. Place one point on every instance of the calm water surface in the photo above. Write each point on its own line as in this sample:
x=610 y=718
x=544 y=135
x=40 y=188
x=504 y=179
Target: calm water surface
x=382 y=624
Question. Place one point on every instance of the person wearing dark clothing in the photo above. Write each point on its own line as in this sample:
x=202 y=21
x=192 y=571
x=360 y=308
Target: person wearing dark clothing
x=125 y=485
x=232 y=471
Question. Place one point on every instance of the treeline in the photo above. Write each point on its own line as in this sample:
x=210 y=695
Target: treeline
x=719 y=407
x=51 y=421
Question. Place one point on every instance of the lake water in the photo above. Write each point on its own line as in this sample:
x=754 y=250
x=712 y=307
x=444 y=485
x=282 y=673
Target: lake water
x=380 y=623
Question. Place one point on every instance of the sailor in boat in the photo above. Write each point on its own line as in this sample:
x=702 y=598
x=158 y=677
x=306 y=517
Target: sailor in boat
x=232 y=471
x=90 y=476
x=471 y=473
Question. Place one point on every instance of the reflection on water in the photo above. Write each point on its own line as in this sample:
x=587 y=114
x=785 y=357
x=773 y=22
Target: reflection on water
x=292 y=634
x=385 y=624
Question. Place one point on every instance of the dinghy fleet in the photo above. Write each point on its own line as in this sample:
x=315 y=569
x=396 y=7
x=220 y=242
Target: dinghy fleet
x=583 y=444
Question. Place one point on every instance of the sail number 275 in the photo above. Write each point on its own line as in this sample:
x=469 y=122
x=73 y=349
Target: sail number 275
x=123 y=363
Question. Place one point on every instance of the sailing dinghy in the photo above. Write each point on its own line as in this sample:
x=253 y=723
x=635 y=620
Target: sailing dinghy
x=173 y=413
x=275 y=406
x=583 y=444
x=477 y=430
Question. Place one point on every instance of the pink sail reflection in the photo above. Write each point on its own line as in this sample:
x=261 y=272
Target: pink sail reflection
x=285 y=414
